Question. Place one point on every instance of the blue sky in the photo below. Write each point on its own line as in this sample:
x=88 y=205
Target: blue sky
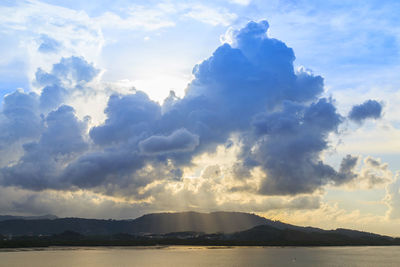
x=78 y=68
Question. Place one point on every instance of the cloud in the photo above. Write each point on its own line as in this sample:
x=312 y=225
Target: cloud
x=44 y=33
x=48 y=132
x=210 y=15
x=393 y=198
x=20 y=118
x=52 y=96
x=112 y=167
x=165 y=14
x=347 y=167
x=240 y=2
x=367 y=174
x=64 y=132
x=211 y=172
x=43 y=161
x=289 y=153
x=66 y=77
x=48 y=44
x=247 y=91
x=374 y=173
x=128 y=117
x=368 y=109
x=148 y=18
x=179 y=141
x=69 y=71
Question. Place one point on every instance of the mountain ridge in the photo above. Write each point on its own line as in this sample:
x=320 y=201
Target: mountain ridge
x=160 y=224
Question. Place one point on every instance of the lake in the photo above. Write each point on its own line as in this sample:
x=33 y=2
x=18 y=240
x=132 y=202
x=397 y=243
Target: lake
x=173 y=256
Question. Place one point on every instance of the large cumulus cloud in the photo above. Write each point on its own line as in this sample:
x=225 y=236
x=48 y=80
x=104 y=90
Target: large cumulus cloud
x=248 y=89
x=43 y=161
x=47 y=130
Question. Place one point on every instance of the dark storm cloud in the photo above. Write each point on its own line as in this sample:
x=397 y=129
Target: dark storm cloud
x=248 y=88
x=368 y=109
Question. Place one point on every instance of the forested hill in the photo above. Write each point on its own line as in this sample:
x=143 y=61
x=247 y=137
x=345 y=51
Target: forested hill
x=156 y=223
x=182 y=228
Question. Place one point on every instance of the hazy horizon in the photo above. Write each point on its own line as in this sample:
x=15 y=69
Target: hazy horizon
x=287 y=109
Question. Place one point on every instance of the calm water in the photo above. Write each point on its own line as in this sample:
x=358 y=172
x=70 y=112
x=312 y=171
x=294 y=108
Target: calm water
x=202 y=256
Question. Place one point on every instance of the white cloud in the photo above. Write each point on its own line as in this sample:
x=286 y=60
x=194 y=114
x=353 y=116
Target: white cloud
x=29 y=21
x=240 y=2
x=392 y=198
x=211 y=15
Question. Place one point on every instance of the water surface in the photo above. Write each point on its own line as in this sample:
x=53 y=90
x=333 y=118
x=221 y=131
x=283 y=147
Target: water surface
x=201 y=256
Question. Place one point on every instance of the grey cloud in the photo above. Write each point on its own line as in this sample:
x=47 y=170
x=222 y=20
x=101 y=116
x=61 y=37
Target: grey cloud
x=128 y=117
x=347 y=169
x=375 y=163
x=64 y=133
x=289 y=143
x=179 y=141
x=348 y=164
x=368 y=109
x=42 y=163
x=21 y=118
x=112 y=167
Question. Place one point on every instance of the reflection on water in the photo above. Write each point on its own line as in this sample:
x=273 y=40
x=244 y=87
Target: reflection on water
x=201 y=256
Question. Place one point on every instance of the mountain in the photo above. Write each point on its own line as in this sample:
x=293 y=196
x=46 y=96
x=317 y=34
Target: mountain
x=12 y=217
x=268 y=235
x=213 y=222
x=157 y=223
x=262 y=235
x=185 y=228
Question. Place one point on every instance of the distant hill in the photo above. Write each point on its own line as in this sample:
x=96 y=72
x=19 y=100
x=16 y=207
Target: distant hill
x=157 y=223
x=265 y=234
x=262 y=235
x=193 y=227
x=12 y=217
x=213 y=222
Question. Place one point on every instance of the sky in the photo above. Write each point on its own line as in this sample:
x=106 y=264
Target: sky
x=283 y=108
